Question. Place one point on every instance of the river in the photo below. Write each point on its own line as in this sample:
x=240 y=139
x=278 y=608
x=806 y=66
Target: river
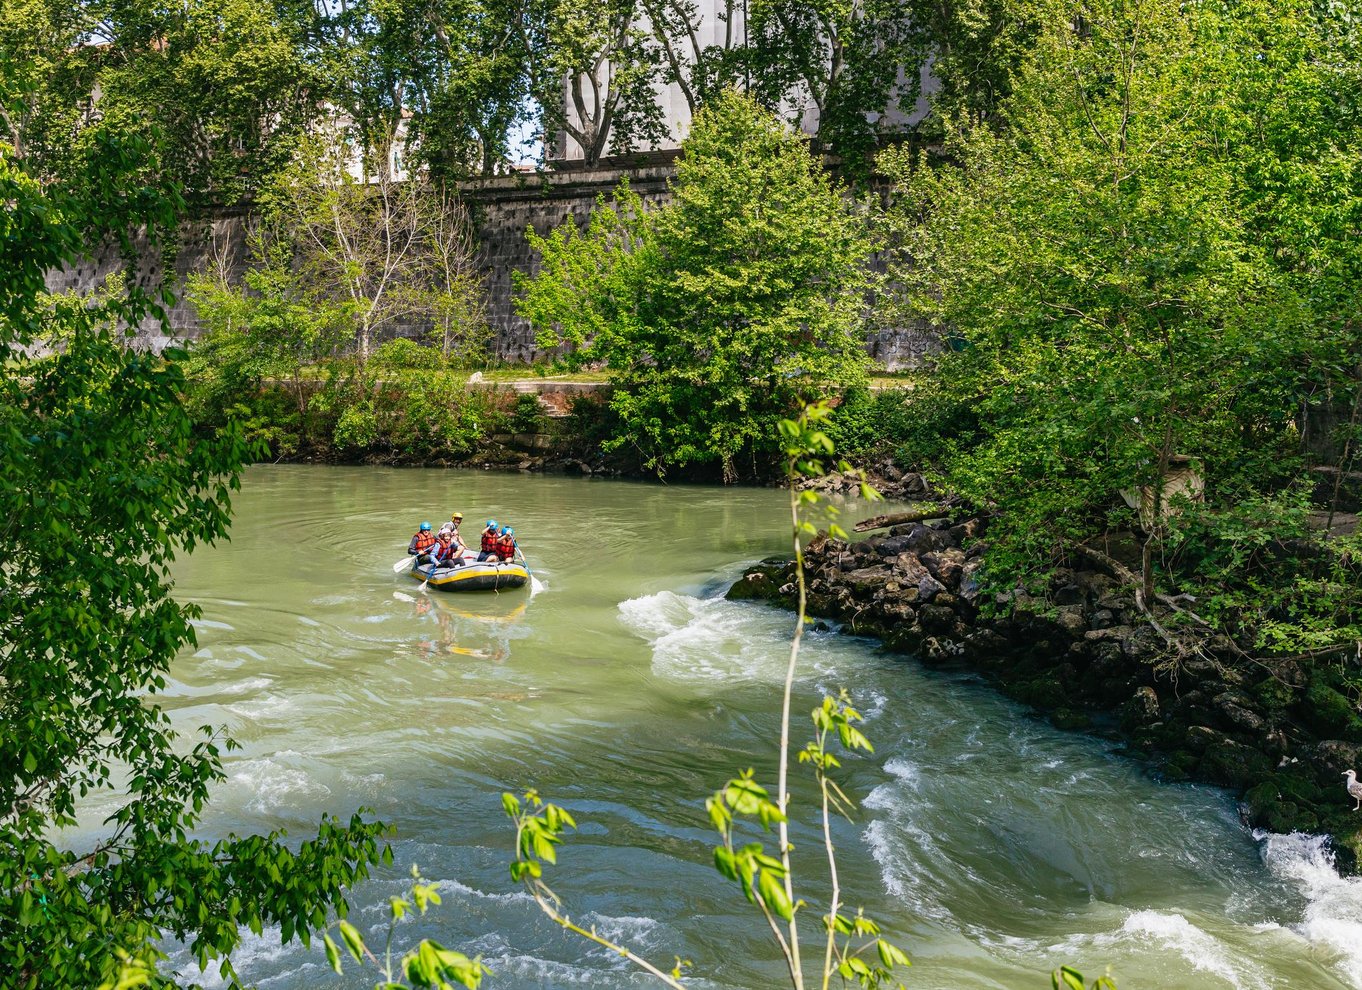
x=992 y=846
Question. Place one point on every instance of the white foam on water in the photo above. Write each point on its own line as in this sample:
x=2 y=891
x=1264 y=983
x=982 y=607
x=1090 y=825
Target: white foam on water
x=253 y=950
x=913 y=892
x=274 y=784
x=1332 y=920
x=1173 y=932
x=659 y=615
x=263 y=706
x=544 y=972
x=906 y=772
x=242 y=687
x=1143 y=936
x=869 y=702
x=636 y=933
x=370 y=782
x=463 y=890
x=699 y=639
x=211 y=624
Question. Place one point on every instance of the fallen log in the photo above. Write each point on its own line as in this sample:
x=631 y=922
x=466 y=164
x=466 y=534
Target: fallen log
x=899 y=518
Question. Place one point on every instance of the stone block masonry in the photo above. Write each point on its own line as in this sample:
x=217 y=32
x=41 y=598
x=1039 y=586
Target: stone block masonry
x=503 y=208
x=216 y=240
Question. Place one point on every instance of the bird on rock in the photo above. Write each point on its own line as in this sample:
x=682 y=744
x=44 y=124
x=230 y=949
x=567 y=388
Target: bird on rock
x=1354 y=788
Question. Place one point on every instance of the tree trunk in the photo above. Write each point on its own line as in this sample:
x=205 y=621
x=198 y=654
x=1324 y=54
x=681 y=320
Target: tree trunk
x=899 y=518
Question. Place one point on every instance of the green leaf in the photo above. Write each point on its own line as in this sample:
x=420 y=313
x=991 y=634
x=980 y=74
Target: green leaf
x=353 y=942
x=773 y=895
x=332 y=954
x=891 y=955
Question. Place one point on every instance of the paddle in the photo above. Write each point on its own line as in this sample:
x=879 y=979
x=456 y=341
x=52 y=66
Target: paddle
x=434 y=566
x=405 y=563
x=536 y=585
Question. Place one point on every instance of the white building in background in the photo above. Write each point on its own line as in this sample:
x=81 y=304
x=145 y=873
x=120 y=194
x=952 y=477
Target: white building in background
x=713 y=30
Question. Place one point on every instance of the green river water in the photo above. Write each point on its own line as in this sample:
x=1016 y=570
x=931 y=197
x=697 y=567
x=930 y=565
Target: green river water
x=992 y=846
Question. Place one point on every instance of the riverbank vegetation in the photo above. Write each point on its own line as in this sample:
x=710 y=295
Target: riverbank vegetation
x=1149 y=295
x=104 y=483
x=291 y=346
x=717 y=311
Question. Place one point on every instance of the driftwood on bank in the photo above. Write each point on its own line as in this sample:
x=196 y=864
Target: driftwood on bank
x=899 y=518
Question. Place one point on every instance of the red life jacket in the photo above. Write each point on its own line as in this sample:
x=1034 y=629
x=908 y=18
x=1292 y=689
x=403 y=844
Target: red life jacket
x=506 y=547
x=442 y=551
x=424 y=541
x=489 y=542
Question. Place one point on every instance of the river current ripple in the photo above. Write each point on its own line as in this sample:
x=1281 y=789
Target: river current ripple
x=991 y=846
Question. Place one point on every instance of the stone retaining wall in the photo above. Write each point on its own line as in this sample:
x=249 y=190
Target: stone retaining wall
x=503 y=208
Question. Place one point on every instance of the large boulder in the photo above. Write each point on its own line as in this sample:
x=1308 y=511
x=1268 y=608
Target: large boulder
x=945 y=565
x=865 y=581
x=1141 y=710
x=922 y=538
x=1228 y=762
x=1237 y=711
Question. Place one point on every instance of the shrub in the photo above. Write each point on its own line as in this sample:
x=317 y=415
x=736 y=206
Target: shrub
x=527 y=416
x=357 y=427
x=871 y=424
x=404 y=354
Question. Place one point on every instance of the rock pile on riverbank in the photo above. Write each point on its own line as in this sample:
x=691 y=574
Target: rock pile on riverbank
x=1278 y=733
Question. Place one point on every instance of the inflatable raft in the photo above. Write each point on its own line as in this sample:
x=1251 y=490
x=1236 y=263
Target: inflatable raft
x=474 y=575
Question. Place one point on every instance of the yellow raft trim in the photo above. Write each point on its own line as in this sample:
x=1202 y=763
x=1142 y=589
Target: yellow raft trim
x=477 y=572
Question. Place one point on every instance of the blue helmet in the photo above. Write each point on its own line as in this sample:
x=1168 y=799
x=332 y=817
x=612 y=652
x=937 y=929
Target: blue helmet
x=505 y=530
x=509 y=531
x=425 y=526
x=491 y=524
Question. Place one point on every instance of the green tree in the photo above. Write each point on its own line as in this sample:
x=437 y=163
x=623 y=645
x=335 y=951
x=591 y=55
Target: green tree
x=220 y=87
x=719 y=310
x=471 y=86
x=258 y=328
x=848 y=63
x=224 y=84
x=591 y=68
x=102 y=484
x=1126 y=285
x=382 y=251
x=699 y=60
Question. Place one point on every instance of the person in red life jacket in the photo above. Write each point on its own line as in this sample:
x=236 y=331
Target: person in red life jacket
x=446 y=553
x=506 y=546
x=420 y=544
x=488 y=548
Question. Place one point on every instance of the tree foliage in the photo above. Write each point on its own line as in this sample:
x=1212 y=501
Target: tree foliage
x=1135 y=266
x=102 y=484
x=220 y=87
x=376 y=253
x=717 y=311
x=850 y=66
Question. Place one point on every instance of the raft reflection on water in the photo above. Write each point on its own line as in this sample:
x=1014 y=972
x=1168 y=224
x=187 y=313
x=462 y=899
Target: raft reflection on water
x=459 y=627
